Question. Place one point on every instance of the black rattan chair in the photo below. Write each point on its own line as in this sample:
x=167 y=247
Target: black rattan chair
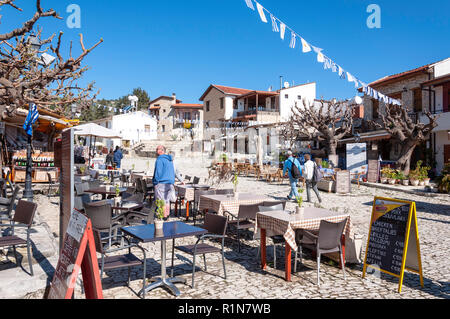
x=244 y=220
x=197 y=195
x=216 y=226
x=119 y=261
x=7 y=204
x=23 y=217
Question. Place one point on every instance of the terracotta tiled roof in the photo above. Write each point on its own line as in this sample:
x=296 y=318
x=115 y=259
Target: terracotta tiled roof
x=399 y=75
x=163 y=97
x=226 y=90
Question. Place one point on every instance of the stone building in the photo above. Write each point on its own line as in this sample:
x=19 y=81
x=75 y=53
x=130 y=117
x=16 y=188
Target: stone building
x=177 y=120
x=421 y=89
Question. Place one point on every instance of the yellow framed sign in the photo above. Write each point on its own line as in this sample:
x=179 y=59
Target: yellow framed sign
x=393 y=243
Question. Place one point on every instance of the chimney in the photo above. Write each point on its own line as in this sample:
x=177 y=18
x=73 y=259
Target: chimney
x=174 y=96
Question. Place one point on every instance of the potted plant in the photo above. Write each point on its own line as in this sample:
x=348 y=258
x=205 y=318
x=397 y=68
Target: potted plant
x=385 y=172
x=117 y=198
x=392 y=177
x=424 y=175
x=224 y=158
x=402 y=178
x=443 y=180
x=82 y=170
x=300 y=210
x=159 y=214
x=414 y=177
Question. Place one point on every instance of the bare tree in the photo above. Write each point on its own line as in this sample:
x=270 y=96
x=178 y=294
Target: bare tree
x=328 y=122
x=25 y=79
x=407 y=132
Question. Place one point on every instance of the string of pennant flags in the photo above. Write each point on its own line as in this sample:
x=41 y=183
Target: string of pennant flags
x=328 y=64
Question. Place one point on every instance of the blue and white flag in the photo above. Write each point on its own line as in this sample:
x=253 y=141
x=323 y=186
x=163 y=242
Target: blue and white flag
x=293 y=37
x=274 y=24
x=250 y=4
x=32 y=117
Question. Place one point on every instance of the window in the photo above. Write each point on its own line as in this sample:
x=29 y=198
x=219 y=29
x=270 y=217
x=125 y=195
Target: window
x=207 y=106
x=286 y=96
x=272 y=102
x=235 y=104
x=163 y=128
x=375 y=109
x=187 y=115
x=417 y=100
x=299 y=97
x=222 y=103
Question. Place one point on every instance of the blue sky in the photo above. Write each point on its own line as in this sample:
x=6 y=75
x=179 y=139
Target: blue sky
x=181 y=47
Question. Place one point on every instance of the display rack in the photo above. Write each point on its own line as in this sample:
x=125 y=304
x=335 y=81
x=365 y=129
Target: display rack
x=42 y=163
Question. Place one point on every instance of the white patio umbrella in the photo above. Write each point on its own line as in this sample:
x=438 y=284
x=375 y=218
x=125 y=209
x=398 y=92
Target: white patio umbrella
x=95 y=130
x=259 y=151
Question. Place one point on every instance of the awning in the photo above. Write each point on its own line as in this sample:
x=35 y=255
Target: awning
x=368 y=137
x=43 y=124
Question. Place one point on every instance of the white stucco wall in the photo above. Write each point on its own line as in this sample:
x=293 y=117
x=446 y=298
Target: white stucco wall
x=442 y=68
x=229 y=107
x=306 y=91
x=132 y=127
x=441 y=140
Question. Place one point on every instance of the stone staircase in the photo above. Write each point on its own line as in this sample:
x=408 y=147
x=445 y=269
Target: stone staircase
x=147 y=148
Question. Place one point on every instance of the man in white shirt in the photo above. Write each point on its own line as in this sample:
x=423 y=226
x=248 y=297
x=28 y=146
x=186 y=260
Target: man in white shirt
x=309 y=174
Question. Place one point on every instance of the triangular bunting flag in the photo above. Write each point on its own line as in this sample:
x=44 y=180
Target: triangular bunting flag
x=250 y=4
x=305 y=46
x=320 y=57
x=282 y=30
x=293 y=37
x=274 y=24
x=261 y=12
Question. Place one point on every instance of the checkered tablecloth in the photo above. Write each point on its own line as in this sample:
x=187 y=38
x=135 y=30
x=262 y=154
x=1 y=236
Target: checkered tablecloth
x=222 y=203
x=285 y=223
x=187 y=192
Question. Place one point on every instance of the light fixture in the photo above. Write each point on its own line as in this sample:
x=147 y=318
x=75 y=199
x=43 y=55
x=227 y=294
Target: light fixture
x=34 y=42
x=46 y=59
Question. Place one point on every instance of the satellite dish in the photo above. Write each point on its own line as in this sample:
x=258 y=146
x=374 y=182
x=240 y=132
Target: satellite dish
x=286 y=85
x=358 y=100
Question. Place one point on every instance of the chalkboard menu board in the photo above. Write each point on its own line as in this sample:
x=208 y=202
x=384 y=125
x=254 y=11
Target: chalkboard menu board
x=387 y=239
x=78 y=250
x=393 y=243
x=373 y=173
x=343 y=182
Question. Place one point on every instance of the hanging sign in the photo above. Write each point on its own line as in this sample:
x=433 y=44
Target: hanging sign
x=393 y=243
x=78 y=253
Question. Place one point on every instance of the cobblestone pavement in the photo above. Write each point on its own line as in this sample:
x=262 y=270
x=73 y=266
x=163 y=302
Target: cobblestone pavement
x=246 y=279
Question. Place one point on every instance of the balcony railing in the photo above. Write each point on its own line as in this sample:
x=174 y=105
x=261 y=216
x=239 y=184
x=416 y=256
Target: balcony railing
x=254 y=111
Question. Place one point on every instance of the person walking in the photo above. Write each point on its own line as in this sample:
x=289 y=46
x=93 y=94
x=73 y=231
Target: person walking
x=293 y=168
x=118 y=155
x=311 y=183
x=164 y=179
x=110 y=159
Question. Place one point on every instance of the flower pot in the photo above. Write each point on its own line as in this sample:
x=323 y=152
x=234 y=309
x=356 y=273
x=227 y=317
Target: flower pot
x=421 y=183
x=392 y=181
x=415 y=182
x=117 y=201
x=159 y=224
x=300 y=211
x=383 y=180
x=427 y=181
x=236 y=195
x=405 y=182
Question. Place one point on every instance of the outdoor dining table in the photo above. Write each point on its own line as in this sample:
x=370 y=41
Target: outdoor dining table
x=230 y=203
x=187 y=192
x=106 y=191
x=171 y=230
x=126 y=206
x=284 y=222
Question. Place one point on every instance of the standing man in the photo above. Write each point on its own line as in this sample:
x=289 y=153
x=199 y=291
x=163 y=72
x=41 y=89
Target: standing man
x=292 y=166
x=310 y=182
x=118 y=155
x=164 y=179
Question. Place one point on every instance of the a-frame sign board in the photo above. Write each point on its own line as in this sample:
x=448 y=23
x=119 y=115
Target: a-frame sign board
x=78 y=253
x=393 y=243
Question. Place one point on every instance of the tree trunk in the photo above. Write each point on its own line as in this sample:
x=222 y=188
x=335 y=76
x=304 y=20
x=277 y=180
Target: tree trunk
x=404 y=162
x=332 y=147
